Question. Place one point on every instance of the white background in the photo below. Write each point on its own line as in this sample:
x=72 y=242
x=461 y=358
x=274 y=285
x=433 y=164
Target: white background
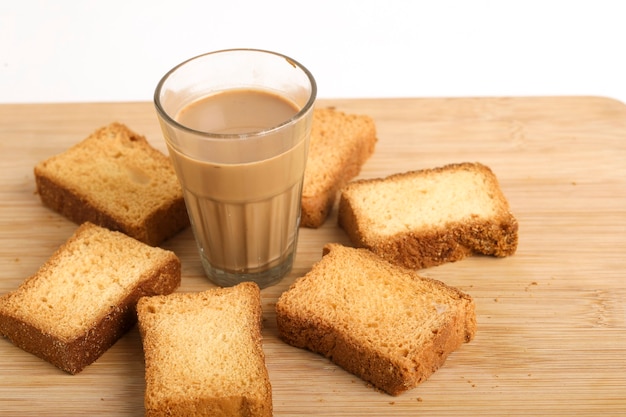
x=117 y=50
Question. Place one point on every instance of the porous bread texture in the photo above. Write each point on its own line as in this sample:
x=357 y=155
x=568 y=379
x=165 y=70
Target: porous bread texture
x=339 y=146
x=381 y=322
x=424 y=218
x=204 y=354
x=83 y=298
x=116 y=179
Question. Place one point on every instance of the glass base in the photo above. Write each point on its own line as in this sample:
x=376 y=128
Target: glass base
x=263 y=278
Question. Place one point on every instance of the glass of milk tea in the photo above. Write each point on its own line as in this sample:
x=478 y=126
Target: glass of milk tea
x=237 y=124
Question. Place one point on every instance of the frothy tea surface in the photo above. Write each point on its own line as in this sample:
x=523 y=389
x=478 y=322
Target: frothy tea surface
x=237 y=111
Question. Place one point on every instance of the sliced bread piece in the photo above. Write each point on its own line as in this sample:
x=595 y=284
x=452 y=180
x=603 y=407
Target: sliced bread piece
x=116 y=179
x=83 y=299
x=340 y=144
x=424 y=218
x=204 y=354
x=381 y=322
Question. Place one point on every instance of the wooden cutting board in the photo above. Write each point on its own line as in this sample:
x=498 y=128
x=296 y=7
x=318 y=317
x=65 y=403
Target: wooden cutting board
x=551 y=336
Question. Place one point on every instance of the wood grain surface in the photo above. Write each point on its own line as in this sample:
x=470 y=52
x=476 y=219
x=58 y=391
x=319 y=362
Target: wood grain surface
x=551 y=336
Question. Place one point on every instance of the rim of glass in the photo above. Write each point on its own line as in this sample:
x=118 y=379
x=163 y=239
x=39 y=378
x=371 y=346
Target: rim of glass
x=213 y=135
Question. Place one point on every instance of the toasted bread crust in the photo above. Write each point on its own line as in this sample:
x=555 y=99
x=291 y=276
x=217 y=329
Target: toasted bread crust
x=82 y=200
x=422 y=247
x=324 y=312
x=340 y=144
x=72 y=353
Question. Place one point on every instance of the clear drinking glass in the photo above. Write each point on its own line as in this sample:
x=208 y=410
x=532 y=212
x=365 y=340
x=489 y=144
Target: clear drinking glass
x=240 y=163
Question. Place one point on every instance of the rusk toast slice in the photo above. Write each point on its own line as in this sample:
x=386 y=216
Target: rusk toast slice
x=204 y=354
x=115 y=179
x=83 y=299
x=381 y=322
x=424 y=218
x=340 y=144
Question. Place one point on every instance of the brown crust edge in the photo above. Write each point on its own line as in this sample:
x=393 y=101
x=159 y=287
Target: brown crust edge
x=391 y=375
x=458 y=241
x=316 y=208
x=159 y=226
x=73 y=356
x=496 y=237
